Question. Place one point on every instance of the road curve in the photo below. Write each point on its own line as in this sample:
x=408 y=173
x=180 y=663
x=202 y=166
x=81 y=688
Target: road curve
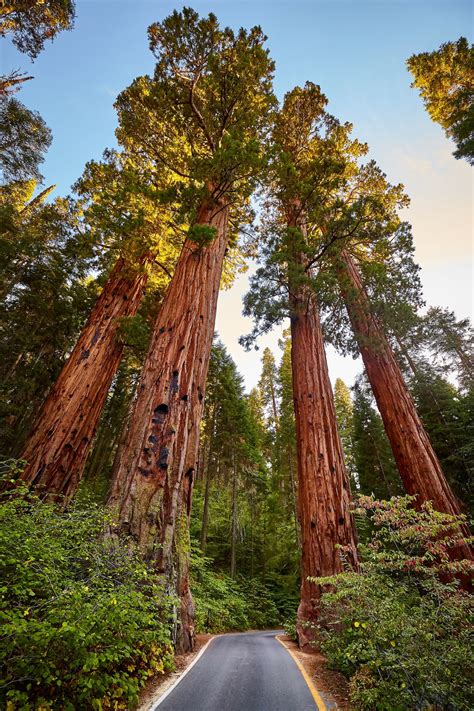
x=242 y=672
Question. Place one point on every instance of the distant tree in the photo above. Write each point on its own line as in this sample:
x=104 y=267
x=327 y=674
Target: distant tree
x=344 y=415
x=248 y=528
x=447 y=414
x=24 y=138
x=445 y=80
x=31 y=23
x=376 y=469
x=431 y=348
x=287 y=434
x=451 y=341
x=45 y=296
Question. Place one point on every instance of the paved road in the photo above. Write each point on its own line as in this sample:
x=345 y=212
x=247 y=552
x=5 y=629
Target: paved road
x=242 y=672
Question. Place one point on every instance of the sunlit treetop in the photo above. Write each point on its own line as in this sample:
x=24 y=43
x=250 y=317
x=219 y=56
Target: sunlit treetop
x=445 y=79
x=127 y=213
x=321 y=200
x=314 y=154
x=205 y=113
x=32 y=22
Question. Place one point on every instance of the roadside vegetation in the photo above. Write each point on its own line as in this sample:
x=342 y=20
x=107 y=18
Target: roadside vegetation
x=401 y=629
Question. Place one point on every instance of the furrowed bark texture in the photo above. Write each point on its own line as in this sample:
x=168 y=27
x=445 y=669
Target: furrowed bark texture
x=58 y=446
x=416 y=460
x=154 y=454
x=323 y=484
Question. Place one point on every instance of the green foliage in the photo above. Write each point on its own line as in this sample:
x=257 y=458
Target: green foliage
x=84 y=620
x=98 y=469
x=290 y=629
x=204 y=114
x=375 y=466
x=32 y=22
x=321 y=201
x=225 y=604
x=45 y=297
x=243 y=444
x=134 y=331
x=448 y=416
x=202 y=235
x=130 y=211
x=345 y=424
x=24 y=138
x=444 y=79
x=401 y=634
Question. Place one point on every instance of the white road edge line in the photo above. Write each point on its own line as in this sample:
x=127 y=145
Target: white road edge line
x=181 y=677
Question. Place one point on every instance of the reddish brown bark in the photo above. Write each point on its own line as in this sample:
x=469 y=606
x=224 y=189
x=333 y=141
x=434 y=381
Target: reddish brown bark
x=57 y=448
x=154 y=455
x=416 y=460
x=323 y=484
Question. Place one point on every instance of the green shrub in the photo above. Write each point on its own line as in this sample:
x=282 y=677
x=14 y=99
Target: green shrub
x=84 y=621
x=224 y=604
x=290 y=629
x=401 y=634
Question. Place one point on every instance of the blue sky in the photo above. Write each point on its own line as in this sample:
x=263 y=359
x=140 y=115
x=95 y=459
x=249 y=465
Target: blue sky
x=356 y=51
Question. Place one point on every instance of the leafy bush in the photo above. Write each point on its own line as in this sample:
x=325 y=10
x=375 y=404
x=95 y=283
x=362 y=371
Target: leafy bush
x=290 y=629
x=224 y=604
x=84 y=621
x=401 y=634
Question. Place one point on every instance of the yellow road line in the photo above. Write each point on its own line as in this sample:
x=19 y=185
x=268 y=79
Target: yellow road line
x=314 y=692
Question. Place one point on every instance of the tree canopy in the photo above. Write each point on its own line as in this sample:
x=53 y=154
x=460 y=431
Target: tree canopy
x=444 y=78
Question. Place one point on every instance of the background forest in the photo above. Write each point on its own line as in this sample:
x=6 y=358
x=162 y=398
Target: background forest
x=147 y=493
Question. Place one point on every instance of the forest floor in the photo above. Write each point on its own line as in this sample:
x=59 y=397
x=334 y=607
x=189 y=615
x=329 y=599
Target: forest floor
x=332 y=685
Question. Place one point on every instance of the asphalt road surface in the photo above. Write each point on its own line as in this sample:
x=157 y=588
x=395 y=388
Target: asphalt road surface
x=242 y=672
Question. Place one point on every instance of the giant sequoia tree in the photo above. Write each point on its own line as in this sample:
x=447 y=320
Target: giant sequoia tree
x=132 y=225
x=361 y=230
x=203 y=115
x=313 y=156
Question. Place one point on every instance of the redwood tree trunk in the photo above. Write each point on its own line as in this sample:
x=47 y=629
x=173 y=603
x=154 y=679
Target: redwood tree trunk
x=57 y=448
x=154 y=455
x=416 y=460
x=323 y=485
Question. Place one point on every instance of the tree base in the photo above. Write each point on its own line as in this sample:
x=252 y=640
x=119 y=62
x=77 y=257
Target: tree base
x=306 y=630
x=186 y=634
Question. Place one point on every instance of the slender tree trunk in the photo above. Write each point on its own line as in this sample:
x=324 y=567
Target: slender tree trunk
x=416 y=460
x=323 y=485
x=205 y=511
x=186 y=637
x=207 y=482
x=252 y=529
x=153 y=457
x=57 y=448
x=294 y=499
x=234 y=528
